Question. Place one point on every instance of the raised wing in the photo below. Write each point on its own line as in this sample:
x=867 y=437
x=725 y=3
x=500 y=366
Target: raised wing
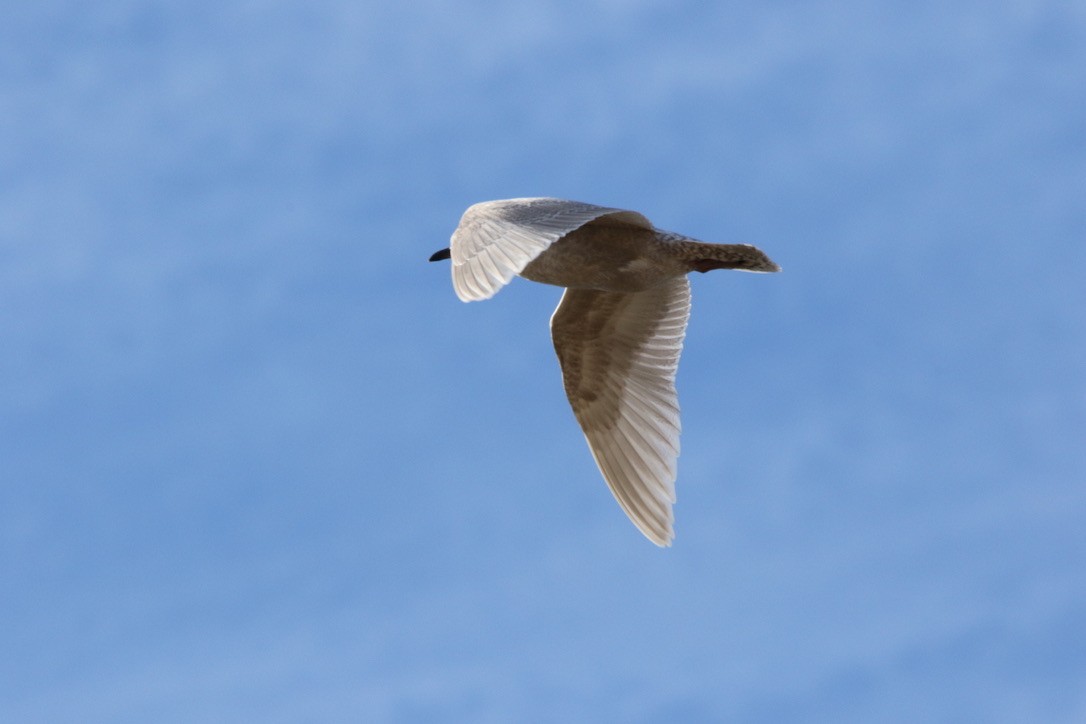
x=619 y=354
x=495 y=240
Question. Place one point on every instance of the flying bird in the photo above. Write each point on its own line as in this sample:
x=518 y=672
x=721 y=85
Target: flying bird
x=618 y=329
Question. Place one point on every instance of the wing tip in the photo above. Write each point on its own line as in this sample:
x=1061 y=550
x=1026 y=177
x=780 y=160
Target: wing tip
x=664 y=541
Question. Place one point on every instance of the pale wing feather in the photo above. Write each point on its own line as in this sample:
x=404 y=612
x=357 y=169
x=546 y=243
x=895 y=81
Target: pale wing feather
x=619 y=355
x=495 y=240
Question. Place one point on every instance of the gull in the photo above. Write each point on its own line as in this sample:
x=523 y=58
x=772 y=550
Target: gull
x=618 y=329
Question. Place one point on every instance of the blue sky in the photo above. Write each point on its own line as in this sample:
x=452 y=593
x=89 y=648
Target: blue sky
x=257 y=463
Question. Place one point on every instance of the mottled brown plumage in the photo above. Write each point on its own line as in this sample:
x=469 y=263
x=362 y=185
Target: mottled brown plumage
x=618 y=330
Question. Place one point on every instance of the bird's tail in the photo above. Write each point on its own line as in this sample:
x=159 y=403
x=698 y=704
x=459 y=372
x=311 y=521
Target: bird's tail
x=744 y=257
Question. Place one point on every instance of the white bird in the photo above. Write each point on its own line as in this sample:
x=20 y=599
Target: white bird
x=618 y=330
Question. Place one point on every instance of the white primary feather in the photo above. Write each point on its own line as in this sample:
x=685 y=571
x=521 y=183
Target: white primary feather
x=495 y=240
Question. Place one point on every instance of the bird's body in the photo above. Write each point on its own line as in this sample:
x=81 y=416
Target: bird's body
x=618 y=330
x=605 y=256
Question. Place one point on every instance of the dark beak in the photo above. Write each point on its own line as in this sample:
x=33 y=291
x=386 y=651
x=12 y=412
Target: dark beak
x=439 y=255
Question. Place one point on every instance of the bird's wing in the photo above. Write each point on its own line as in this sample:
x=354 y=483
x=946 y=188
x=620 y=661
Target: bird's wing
x=495 y=240
x=619 y=353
